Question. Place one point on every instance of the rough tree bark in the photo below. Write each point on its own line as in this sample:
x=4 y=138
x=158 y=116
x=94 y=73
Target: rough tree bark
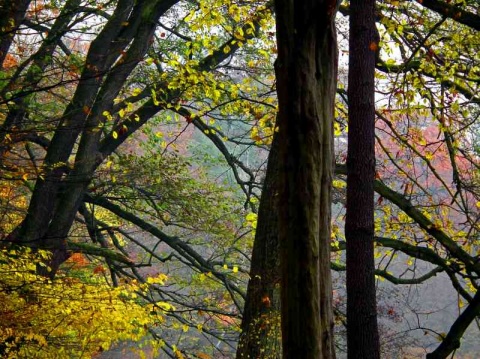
x=362 y=329
x=306 y=71
x=260 y=336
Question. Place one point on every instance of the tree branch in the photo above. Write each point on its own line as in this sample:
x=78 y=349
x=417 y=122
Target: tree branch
x=453 y=12
x=452 y=341
x=175 y=243
x=406 y=206
x=98 y=251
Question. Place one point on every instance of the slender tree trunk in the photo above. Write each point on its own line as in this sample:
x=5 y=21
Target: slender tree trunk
x=306 y=71
x=12 y=13
x=362 y=330
x=39 y=62
x=261 y=337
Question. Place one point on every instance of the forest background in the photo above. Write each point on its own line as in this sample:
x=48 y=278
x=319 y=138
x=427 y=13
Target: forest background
x=134 y=139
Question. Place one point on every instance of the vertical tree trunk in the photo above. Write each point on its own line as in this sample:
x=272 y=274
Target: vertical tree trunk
x=306 y=72
x=261 y=337
x=362 y=331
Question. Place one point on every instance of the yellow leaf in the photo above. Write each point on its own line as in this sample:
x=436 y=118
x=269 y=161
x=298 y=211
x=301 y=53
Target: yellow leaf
x=441 y=336
x=339 y=184
x=165 y=306
x=336 y=129
x=115 y=134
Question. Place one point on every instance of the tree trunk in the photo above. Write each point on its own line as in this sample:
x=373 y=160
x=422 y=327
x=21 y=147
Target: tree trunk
x=56 y=197
x=306 y=72
x=362 y=330
x=44 y=197
x=39 y=63
x=261 y=337
x=12 y=14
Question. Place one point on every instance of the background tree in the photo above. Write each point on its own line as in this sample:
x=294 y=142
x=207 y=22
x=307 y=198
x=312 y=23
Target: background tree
x=261 y=334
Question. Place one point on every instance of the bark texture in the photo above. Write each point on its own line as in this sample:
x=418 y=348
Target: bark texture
x=306 y=71
x=261 y=337
x=362 y=328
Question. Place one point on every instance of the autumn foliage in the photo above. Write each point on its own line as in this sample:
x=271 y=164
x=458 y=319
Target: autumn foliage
x=69 y=316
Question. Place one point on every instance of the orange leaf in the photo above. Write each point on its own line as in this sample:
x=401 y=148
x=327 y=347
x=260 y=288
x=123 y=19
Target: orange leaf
x=78 y=260
x=266 y=301
x=99 y=269
x=10 y=61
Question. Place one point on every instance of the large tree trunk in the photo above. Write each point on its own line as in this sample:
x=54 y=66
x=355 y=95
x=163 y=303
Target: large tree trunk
x=362 y=331
x=261 y=337
x=56 y=197
x=306 y=72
